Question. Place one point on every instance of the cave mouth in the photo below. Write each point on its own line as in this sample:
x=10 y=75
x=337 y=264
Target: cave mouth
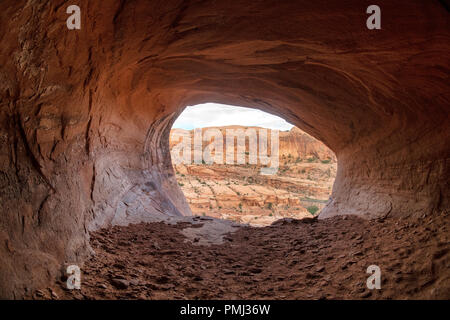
x=249 y=166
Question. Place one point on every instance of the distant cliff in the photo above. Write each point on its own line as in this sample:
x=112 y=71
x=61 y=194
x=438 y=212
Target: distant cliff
x=300 y=188
x=293 y=143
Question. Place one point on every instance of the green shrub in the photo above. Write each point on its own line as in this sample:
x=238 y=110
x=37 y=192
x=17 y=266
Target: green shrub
x=312 y=209
x=326 y=161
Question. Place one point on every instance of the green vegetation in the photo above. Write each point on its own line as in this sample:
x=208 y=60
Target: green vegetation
x=312 y=209
x=180 y=184
x=312 y=159
x=326 y=161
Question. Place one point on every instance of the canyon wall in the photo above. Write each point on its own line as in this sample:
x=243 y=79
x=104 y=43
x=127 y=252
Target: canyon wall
x=299 y=188
x=294 y=143
x=85 y=114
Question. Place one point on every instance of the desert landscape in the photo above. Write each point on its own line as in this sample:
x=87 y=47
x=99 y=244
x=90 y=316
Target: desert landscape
x=239 y=192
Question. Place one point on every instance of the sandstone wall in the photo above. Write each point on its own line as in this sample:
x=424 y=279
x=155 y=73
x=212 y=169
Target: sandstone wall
x=85 y=115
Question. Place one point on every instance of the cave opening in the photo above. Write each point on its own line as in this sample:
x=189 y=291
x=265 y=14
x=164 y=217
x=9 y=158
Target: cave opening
x=249 y=166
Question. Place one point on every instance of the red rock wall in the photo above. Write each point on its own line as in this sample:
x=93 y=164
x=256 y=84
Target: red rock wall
x=85 y=114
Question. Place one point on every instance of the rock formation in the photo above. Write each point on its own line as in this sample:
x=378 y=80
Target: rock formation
x=239 y=192
x=85 y=114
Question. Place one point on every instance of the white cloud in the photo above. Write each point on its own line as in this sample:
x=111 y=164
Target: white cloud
x=217 y=115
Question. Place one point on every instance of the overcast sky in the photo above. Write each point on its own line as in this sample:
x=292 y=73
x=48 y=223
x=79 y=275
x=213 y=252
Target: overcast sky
x=216 y=115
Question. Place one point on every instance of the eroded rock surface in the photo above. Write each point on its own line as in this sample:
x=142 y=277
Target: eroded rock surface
x=296 y=259
x=300 y=187
x=85 y=114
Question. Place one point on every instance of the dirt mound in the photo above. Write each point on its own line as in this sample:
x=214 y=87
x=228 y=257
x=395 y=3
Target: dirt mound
x=295 y=259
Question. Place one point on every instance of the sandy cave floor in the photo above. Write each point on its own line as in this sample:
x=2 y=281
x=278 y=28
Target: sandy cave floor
x=292 y=259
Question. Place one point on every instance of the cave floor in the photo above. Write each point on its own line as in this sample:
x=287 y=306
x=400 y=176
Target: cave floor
x=292 y=259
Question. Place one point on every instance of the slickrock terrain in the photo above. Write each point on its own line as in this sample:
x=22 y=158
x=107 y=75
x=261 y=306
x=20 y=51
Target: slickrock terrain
x=85 y=115
x=300 y=188
x=293 y=259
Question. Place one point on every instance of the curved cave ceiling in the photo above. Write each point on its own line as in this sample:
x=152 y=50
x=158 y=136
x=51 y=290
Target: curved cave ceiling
x=85 y=114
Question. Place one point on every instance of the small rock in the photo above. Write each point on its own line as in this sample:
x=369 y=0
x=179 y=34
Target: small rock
x=162 y=280
x=255 y=270
x=53 y=294
x=118 y=266
x=39 y=293
x=120 y=283
x=134 y=282
x=228 y=271
x=366 y=294
x=197 y=278
x=320 y=269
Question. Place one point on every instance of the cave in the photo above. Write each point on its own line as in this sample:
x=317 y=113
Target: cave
x=86 y=114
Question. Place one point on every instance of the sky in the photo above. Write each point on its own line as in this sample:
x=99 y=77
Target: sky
x=217 y=115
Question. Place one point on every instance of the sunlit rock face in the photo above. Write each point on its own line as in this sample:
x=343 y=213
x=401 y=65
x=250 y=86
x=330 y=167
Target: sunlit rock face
x=302 y=179
x=85 y=114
